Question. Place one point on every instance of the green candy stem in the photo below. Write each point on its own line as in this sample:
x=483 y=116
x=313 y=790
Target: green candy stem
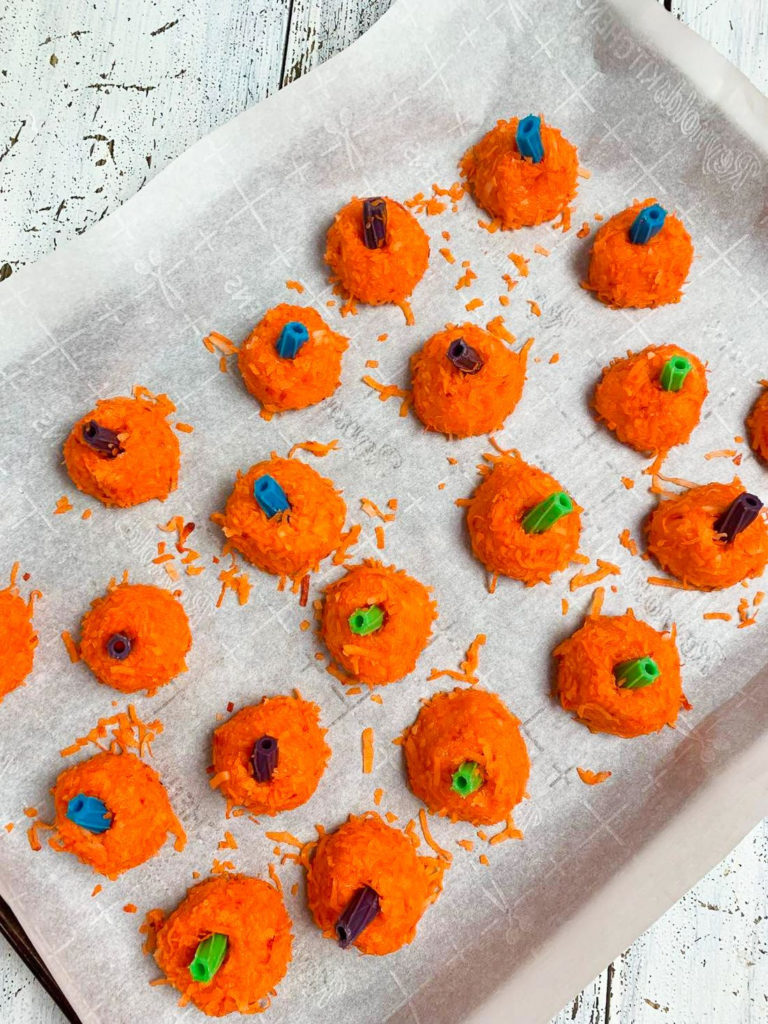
x=467 y=778
x=635 y=674
x=363 y=621
x=547 y=512
x=674 y=372
x=208 y=958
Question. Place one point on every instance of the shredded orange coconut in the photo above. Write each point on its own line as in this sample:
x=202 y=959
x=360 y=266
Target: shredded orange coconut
x=390 y=391
x=441 y=853
x=63 y=505
x=71 y=646
x=535 y=307
x=372 y=509
x=591 y=778
x=722 y=616
x=317 y=448
x=582 y=579
x=367 y=741
x=297 y=286
x=628 y=482
x=128 y=732
x=520 y=262
x=468 y=667
x=626 y=542
x=474 y=304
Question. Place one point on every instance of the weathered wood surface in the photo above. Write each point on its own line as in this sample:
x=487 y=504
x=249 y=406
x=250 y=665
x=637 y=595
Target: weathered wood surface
x=94 y=100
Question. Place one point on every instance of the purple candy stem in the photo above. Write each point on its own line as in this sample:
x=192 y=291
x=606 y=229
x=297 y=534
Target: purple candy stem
x=264 y=758
x=119 y=646
x=101 y=439
x=361 y=910
x=740 y=513
x=375 y=222
x=464 y=357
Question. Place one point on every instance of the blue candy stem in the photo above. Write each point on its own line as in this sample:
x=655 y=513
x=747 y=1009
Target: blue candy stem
x=528 y=138
x=293 y=335
x=89 y=813
x=270 y=496
x=647 y=224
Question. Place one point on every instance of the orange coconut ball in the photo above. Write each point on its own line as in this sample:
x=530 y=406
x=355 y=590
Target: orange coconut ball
x=406 y=612
x=252 y=916
x=135 y=637
x=377 y=275
x=124 y=452
x=587 y=684
x=757 y=425
x=292 y=542
x=632 y=402
x=290 y=727
x=365 y=851
x=468 y=729
x=291 y=383
x=683 y=540
x=139 y=812
x=18 y=638
x=460 y=403
x=495 y=522
x=653 y=274
x=511 y=187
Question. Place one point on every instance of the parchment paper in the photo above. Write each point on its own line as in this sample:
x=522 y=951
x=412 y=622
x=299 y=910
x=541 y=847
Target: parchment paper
x=209 y=245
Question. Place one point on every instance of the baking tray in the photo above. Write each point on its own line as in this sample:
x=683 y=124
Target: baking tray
x=205 y=246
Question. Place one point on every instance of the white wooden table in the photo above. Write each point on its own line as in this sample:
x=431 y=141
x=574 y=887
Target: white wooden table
x=95 y=98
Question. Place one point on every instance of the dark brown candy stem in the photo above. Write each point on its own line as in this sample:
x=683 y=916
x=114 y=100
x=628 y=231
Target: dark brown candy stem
x=361 y=910
x=375 y=222
x=264 y=758
x=101 y=439
x=464 y=357
x=119 y=646
x=737 y=517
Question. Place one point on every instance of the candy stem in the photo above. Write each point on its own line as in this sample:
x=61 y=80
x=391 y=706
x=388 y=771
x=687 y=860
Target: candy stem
x=635 y=674
x=737 y=517
x=89 y=813
x=264 y=758
x=547 y=512
x=102 y=440
x=209 y=957
x=464 y=357
x=528 y=138
x=361 y=910
x=270 y=496
x=375 y=222
x=674 y=372
x=119 y=646
x=293 y=335
x=646 y=224
x=467 y=778
x=363 y=621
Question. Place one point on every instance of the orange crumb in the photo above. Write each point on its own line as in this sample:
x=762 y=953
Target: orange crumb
x=316 y=448
x=378 y=794
x=535 y=307
x=723 y=453
x=185 y=428
x=367 y=740
x=382 y=337
x=722 y=616
x=221 y=342
x=377 y=698
x=520 y=262
x=604 y=569
x=96 y=890
x=297 y=286
x=503 y=300
x=541 y=250
x=465 y=844
x=564 y=605
x=583 y=230
x=62 y=505
x=474 y=304
x=372 y=364
x=555 y=357
x=510 y=282
x=87 y=513
x=71 y=646
x=660 y=581
x=626 y=542
x=592 y=778
x=379 y=531
x=483 y=860
x=130 y=908
x=628 y=482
